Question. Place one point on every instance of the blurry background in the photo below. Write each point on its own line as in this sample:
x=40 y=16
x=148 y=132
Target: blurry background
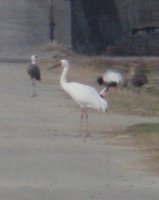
x=109 y=27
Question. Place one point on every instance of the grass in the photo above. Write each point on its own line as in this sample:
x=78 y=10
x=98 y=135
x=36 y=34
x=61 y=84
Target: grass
x=146 y=135
x=146 y=138
x=126 y=101
x=145 y=128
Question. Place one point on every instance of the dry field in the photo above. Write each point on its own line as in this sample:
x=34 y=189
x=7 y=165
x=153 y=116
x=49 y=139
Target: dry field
x=43 y=154
x=125 y=101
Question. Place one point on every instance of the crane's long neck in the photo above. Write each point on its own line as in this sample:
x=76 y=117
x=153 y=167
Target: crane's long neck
x=63 y=79
x=33 y=61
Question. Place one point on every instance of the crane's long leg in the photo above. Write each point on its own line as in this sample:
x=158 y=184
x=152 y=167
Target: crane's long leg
x=33 y=88
x=82 y=118
x=84 y=115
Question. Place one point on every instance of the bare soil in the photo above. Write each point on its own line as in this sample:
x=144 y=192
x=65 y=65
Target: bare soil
x=43 y=155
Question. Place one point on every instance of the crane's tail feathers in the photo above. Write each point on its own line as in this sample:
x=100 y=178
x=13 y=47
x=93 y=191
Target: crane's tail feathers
x=103 y=105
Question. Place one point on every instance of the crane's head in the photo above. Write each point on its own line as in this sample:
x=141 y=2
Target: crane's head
x=34 y=58
x=64 y=63
x=100 y=80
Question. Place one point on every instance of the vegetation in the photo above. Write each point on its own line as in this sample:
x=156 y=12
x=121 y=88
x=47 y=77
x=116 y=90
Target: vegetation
x=127 y=101
x=146 y=138
x=151 y=128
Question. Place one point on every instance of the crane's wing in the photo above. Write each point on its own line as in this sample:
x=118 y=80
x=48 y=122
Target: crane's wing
x=86 y=96
x=113 y=76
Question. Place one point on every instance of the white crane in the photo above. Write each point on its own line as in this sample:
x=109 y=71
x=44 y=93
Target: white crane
x=110 y=78
x=34 y=72
x=84 y=95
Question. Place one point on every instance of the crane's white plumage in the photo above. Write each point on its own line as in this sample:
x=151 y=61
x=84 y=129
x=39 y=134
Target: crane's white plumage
x=113 y=76
x=110 y=78
x=84 y=95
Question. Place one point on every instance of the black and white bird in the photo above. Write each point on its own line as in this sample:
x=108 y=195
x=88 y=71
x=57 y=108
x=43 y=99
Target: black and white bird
x=110 y=78
x=34 y=72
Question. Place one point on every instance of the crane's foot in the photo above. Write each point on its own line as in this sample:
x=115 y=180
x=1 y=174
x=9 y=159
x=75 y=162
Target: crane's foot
x=34 y=95
x=87 y=134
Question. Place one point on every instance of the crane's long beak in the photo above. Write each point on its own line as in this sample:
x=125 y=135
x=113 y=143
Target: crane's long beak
x=55 y=66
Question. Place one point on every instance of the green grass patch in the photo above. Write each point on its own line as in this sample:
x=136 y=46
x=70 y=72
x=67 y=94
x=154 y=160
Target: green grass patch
x=146 y=135
x=147 y=128
x=146 y=138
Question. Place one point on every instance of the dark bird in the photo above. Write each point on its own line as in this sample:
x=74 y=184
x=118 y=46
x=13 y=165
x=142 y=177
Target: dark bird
x=34 y=72
x=136 y=79
x=139 y=80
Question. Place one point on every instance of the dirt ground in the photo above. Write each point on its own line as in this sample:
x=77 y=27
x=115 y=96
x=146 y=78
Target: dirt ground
x=43 y=155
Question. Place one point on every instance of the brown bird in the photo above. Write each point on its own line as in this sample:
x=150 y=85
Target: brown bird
x=136 y=78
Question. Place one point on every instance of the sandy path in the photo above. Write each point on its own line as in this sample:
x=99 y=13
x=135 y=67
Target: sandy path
x=42 y=155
